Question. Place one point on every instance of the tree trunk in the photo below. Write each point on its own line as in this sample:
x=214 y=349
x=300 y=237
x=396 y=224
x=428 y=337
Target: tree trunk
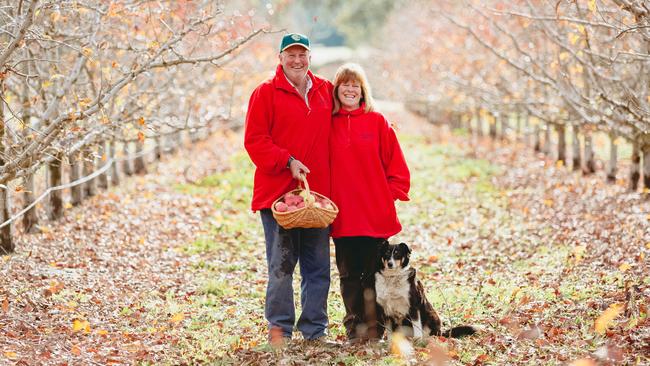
x=561 y=143
x=635 y=168
x=56 y=200
x=537 y=141
x=526 y=131
x=479 y=125
x=30 y=219
x=102 y=180
x=518 y=126
x=6 y=238
x=76 y=194
x=590 y=165
x=646 y=166
x=126 y=164
x=505 y=126
x=172 y=141
x=547 y=140
x=139 y=165
x=576 y=156
x=493 y=126
x=159 y=148
x=90 y=187
x=613 y=157
x=114 y=171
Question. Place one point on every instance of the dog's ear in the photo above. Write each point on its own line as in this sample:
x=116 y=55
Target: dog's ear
x=380 y=252
x=384 y=244
x=407 y=254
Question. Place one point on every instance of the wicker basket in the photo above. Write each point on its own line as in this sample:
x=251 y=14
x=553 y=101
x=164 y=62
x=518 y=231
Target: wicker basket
x=309 y=216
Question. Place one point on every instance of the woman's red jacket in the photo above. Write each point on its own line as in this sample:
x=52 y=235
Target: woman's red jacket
x=369 y=173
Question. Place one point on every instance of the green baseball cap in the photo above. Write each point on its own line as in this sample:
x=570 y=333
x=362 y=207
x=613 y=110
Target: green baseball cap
x=294 y=39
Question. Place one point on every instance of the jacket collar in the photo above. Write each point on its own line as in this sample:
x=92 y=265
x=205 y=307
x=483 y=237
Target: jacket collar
x=280 y=80
x=356 y=112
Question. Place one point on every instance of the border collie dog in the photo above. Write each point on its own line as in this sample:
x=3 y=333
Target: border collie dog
x=401 y=297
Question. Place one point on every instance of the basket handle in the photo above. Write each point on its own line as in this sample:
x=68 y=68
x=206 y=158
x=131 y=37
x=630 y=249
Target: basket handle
x=303 y=179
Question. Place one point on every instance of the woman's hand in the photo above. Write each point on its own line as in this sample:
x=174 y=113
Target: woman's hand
x=297 y=169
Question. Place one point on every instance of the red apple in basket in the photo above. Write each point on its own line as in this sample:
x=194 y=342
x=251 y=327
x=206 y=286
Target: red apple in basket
x=291 y=208
x=281 y=207
x=300 y=204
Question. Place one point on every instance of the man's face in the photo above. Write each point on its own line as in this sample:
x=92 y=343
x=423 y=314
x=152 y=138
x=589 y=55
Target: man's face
x=295 y=62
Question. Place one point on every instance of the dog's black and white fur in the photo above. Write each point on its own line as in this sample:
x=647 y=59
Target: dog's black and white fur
x=401 y=297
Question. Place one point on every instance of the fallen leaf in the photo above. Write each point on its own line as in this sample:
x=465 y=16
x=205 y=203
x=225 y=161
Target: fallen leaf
x=400 y=346
x=602 y=323
x=75 y=350
x=11 y=355
x=5 y=305
x=624 y=267
x=81 y=325
x=177 y=318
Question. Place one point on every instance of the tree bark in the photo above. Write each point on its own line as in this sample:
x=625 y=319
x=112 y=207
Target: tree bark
x=7 y=244
x=646 y=166
x=479 y=125
x=159 y=148
x=126 y=164
x=493 y=126
x=526 y=131
x=114 y=171
x=635 y=168
x=505 y=125
x=6 y=239
x=576 y=156
x=56 y=197
x=613 y=157
x=547 y=140
x=518 y=126
x=561 y=143
x=537 y=141
x=30 y=218
x=76 y=193
x=590 y=165
x=102 y=180
x=139 y=165
x=89 y=167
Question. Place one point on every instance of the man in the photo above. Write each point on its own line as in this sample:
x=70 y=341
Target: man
x=287 y=131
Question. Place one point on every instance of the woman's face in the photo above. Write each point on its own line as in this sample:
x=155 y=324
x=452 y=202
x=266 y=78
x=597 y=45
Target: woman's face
x=349 y=94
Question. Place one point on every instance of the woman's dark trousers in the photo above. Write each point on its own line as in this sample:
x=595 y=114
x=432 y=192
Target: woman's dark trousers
x=356 y=259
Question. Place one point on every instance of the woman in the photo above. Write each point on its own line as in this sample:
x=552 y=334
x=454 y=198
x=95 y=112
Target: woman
x=368 y=174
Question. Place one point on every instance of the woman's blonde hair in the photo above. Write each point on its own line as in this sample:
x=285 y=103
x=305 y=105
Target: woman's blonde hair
x=353 y=72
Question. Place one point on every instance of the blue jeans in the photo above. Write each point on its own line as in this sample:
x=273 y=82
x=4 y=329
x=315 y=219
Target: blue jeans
x=284 y=249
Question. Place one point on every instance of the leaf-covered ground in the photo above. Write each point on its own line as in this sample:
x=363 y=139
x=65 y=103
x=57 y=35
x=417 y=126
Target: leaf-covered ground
x=170 y=269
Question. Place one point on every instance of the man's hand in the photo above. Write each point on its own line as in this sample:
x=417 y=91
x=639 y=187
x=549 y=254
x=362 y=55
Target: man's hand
x=297 y=168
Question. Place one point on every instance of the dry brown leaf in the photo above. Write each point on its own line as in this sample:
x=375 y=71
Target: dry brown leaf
x=603 y=322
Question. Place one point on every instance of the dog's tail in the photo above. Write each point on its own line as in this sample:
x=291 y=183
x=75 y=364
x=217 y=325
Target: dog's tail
x=460 y=331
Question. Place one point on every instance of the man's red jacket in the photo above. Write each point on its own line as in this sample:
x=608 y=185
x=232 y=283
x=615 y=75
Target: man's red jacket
x=369 y=173
x=280 y=124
